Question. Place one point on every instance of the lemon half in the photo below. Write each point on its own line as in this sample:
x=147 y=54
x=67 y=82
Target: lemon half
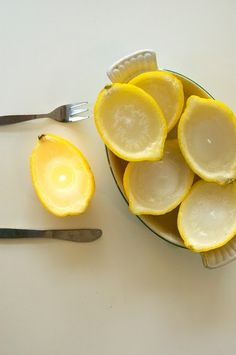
x=166 y=90
x=207 y=217
x=61 y=176
x=207 y=138
x=158 y=187
x=130 y=122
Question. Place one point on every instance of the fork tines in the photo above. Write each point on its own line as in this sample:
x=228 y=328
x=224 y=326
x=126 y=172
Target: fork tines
x=79 y=111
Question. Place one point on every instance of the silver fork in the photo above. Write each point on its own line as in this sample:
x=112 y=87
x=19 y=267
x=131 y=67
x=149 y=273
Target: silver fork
x=64 y=113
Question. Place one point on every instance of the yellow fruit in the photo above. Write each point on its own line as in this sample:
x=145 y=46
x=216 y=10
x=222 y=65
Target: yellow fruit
x=166 y=90
x=61 y=176
x=130 y=122
x=207 y=217
x=158 y=187
x=207 y=138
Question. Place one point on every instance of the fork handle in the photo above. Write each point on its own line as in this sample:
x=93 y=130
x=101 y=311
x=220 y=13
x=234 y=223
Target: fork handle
x=10 y=119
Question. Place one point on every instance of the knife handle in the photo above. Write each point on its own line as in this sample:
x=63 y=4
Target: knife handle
x=82 y=235
x=12 y=233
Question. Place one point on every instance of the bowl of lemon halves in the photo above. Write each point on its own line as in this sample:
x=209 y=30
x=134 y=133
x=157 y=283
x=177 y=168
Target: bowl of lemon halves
x=171 y=148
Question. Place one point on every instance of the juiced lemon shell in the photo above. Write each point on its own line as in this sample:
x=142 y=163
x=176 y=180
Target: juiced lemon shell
x=61 y=176
x=167 y=91
x=130 y=122
x=207 y=217
x=207 y=139
x=156 y=188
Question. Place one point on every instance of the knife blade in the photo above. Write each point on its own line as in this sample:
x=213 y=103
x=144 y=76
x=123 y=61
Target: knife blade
x=83 y=235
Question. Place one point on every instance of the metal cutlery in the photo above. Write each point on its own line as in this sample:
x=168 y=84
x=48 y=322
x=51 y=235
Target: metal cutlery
x=84 y=235
x=65 y=113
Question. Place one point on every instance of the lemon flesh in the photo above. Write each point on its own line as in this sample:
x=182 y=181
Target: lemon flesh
x=166 y=90
x=207 y=138
x=130 y=122
x=158 y=187
x=61 y=176
x=207 y=217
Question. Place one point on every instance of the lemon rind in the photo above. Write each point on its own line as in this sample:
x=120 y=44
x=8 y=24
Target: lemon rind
x=163 y=74
x=151 y=155
x=195 y=167
x=183 y=234
x=38 y=189
x=142 y=211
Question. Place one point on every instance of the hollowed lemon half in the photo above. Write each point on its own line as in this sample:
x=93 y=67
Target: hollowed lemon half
x=61 y=176
x=130 y=122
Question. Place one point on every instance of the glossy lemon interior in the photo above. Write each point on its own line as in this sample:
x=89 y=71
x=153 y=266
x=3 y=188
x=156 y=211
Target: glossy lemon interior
x=61 y=176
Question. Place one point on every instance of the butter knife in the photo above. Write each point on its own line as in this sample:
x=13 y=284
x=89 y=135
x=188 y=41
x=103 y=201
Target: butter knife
x=73 y=235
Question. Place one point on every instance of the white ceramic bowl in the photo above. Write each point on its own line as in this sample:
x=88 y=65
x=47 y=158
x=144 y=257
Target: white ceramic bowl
x=164 y=226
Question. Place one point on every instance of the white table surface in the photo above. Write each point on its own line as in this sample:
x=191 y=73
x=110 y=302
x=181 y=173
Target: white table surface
x=129 y=293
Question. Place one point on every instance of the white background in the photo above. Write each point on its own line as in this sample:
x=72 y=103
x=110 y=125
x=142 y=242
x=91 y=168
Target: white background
x=129 y=293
